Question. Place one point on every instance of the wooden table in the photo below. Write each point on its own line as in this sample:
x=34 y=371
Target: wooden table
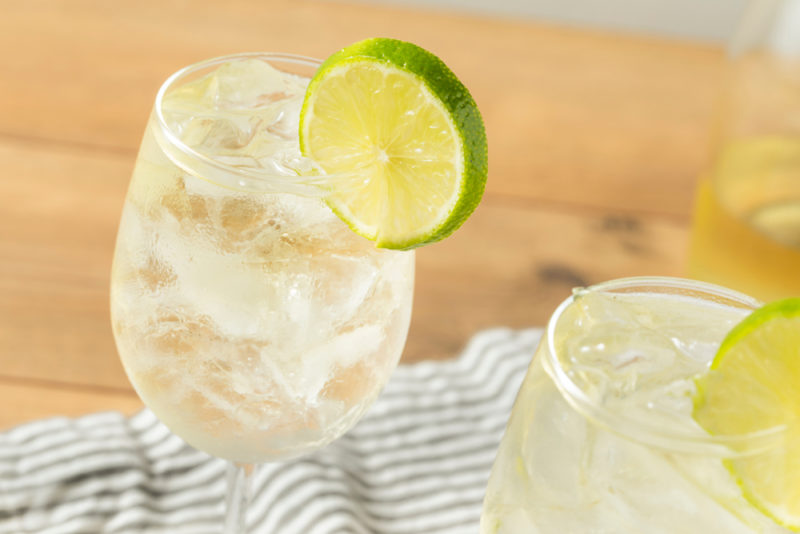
x=595 y=142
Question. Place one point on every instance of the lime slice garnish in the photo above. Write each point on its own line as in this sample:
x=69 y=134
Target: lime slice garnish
x=401 y=136
x=754 y=385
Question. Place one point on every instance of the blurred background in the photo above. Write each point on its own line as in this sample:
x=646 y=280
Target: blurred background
x=710 y=20
x=599 y=117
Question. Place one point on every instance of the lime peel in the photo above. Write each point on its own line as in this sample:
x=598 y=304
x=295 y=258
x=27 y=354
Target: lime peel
x=401 y=136
x=753 y=385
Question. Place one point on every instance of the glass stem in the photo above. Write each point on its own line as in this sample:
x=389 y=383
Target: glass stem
x=238 y=496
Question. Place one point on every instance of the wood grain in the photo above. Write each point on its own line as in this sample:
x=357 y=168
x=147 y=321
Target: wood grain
x=572 y=116
x=36 y=400
x=516 y=263
x=595 y=141
x=58 y=224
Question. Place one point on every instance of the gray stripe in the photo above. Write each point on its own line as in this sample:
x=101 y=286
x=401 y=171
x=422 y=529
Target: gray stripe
x=427 y=447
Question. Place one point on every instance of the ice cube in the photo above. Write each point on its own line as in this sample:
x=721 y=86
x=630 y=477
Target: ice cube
x=245 y=113
x=178 y=334
x=318 y=291
x=287 y=123
x=344 y=283
x=155 y=274
x=194 y=94
x=213 y=135
x=252 y=83
x=241 y=217
x=188 y=208
x=328 y=362
x=243 y=382
x=350 y=384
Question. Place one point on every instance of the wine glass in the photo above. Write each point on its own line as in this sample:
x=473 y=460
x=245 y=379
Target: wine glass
x=603 y=435
x=252 y=321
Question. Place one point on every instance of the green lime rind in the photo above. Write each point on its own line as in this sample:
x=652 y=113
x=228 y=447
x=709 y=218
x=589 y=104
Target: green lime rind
x=455 y=98
x=787 y=308
x=753 y=384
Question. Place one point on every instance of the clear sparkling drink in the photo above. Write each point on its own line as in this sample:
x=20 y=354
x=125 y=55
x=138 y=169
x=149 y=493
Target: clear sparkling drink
x=248 y=317
x=601 y=438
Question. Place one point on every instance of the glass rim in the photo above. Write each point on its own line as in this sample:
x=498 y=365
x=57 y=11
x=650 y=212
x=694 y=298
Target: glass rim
x=638 y=430
x=204 y=166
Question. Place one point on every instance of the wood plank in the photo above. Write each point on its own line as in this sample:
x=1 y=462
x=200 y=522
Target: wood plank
x=509 y=265
x=572 y=116
x=36 y=401
x=595 y=140
x=58 y=215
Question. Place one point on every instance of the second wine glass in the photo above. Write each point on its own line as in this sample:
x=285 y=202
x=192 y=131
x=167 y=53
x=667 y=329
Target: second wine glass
x=248 y=317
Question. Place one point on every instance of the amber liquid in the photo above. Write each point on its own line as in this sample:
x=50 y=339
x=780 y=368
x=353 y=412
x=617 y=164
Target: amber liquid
x=746 y=232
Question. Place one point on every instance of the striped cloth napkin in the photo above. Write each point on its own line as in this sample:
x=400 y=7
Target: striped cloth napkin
x=417 y=463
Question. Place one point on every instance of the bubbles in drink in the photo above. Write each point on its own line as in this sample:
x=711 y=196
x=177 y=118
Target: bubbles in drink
x=607 y=465
x=244 y=114
x=640 y=360
x=256 y=325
